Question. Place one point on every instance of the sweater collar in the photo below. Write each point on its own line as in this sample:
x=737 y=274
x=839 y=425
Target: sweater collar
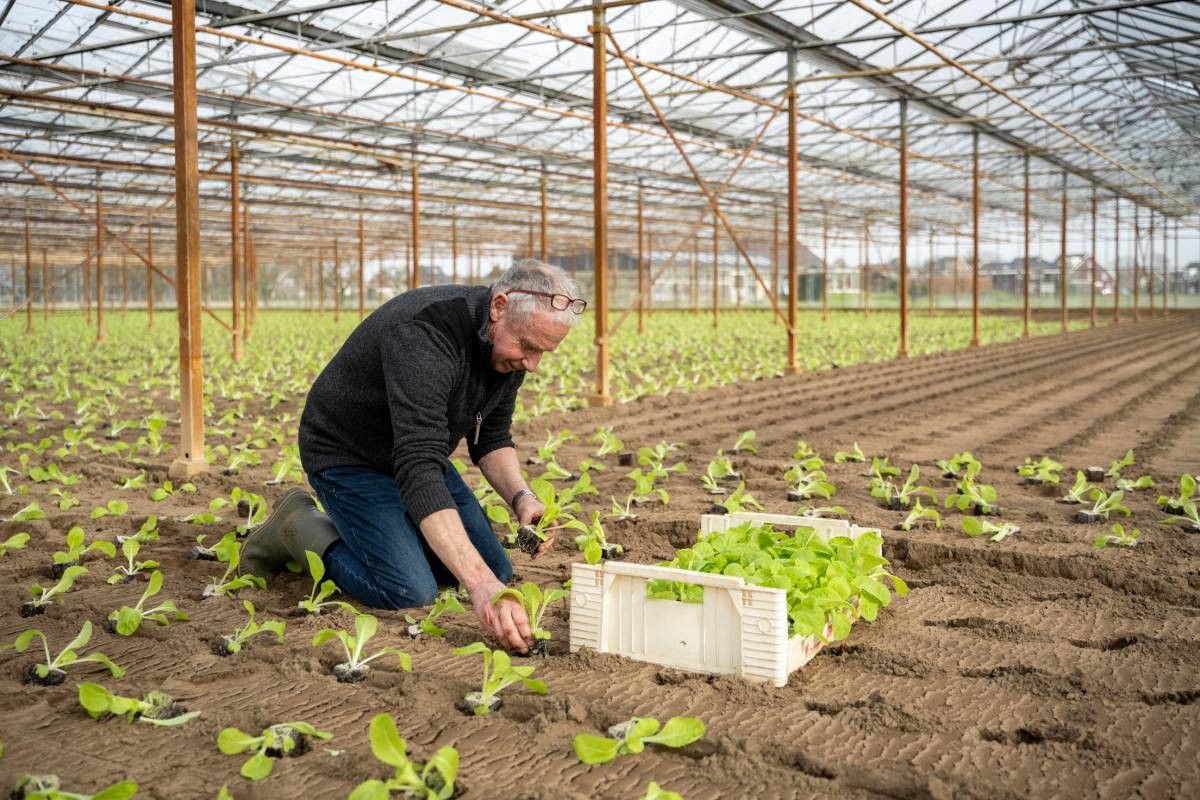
x=479 y=301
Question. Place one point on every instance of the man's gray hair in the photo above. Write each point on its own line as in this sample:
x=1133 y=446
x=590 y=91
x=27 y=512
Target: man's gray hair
x=536 y=276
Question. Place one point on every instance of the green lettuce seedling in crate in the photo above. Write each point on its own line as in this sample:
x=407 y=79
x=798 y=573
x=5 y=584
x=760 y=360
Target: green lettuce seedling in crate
x=631 y=737
x=54 y=671
x=433 y=780
x=156 y=708
x=498 y=674
x=284 y=740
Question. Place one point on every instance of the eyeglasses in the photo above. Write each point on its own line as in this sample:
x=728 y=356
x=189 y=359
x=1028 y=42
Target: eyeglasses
x=559 y=302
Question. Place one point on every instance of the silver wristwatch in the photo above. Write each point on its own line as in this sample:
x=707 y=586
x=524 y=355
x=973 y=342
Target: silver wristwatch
x=513 y=503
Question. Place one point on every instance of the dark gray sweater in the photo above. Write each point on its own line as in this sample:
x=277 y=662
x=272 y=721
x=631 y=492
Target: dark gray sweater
x=407 y=385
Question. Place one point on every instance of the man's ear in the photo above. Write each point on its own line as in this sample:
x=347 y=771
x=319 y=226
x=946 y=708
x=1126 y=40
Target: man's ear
x=498 y=307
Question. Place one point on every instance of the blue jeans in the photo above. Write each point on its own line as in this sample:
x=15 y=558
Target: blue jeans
x=383 y=559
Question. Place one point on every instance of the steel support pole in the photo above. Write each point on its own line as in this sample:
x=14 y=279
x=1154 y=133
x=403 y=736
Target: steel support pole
x=929 y=274
x=974 y=237
x=247 y=284
x=101 y=335
x=1028 y=312
x=1150 y=264
x=866 y=267
x=415 y=277
x=29 y=277
x=45 y=287
x=150 y=273
x=545 y=214
x=235 y=269
x=124 y=286
x=824 y=263
x=321 y=281
x=191 y=459
x=1137 y=246
x=87 y=282
x=775 y=252
x=337 y=283
x=792 y=367
x=1178 y=266
x=902 y=352
x=641 y=261
x=599 y=31
x=1063 y=276
x=1165 y=226
x=694 y=295
x=716 y=285
x=453 y=248
x=1117 y=261
x=362 y=264
x=1092 y=311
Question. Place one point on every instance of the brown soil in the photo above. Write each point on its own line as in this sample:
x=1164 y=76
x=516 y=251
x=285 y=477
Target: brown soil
x=1034 y=667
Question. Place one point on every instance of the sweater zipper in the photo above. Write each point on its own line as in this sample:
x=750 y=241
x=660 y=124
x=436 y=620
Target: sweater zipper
x=478 y=422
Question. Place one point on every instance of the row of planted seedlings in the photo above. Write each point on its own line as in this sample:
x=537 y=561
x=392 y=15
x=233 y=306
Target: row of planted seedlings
x=435 y=778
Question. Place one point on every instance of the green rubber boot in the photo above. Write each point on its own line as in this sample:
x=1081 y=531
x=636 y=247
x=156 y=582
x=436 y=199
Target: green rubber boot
x=295 y=525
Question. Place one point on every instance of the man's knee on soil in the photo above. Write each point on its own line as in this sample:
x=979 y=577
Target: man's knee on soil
x=409 y=595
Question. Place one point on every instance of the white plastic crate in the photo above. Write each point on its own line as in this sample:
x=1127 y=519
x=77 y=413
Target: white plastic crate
x=739 y=629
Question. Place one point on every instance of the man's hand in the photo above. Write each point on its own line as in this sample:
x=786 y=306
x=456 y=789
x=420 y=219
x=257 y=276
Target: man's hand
x=529 y=512
x=505 y=620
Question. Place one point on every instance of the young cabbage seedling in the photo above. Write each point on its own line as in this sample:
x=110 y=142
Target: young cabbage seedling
x=720 y=468
x=1115 y=467
x=656 y=792
x=229 y=551
x=1143 y=482
x=131 y=568
x=49 y=787
x=355 y=668
x=126 y=621
x=644 y=490
x=535 y=602
x=739 y=500
x=745 y=443
x=287 y=739
x=66 y=501
x=629 y=738
x=1044 y=470
x=1117 y=537
x=1079 y=490
x=1103 y=504
x=155 y=708
x=148 y=532
x=318 y=599
x=808 y=484
x=54 y=671
x=44 y=596
x=498 y=673
x=592 y=542
x=168 y=490
x=28 y=513
x=113 y=508
x=447 y=602
x=622 y=513
x=955 y=466
x=608 y=443
x=897 y=497
x=918 y=513
x=15 y=542
x=841 y=456
x=821 y=512
x=979 y=495
x=229 y=645
x=4 y=473
x=553 y=441
x=1187 y=493
x=973 y=526
x=1189 y=517
x=433 y=780
x=880 y=469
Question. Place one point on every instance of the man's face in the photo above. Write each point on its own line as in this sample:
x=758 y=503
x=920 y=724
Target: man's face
x=520 y=346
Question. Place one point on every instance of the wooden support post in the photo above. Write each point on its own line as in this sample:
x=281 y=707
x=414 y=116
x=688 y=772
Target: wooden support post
x=1092 y=306
x=737 y=280
x=87 y=282
x=1117 y=261
x=641 y=262
x=792 y=365
x=101 y=334
x=599 y=30
x=716 y=275
x=1064 y=277
x=337 y=283
x=414 y=279
x=235 y=269
x=191 y=460
x=28 y=277
x=975 y=237
x=362 y=264
x=775 y=252
x=247 y=283
x=1027 y=316
x=545 y=215
x=649 y=272
x=824 y=263
x=150 y=273
x=903 y=287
